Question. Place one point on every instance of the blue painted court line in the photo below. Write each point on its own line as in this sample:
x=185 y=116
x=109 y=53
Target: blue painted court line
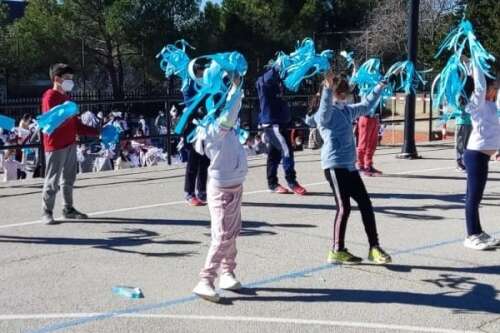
x=169 y=304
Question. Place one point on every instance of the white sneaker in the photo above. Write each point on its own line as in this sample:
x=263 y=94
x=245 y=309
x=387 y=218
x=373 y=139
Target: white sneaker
x=228 y=281
x=206 y=290
x=492 y=241
x=476 y=243
x=47 y=218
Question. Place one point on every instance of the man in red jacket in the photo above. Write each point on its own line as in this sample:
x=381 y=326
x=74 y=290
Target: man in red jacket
x=60 y=147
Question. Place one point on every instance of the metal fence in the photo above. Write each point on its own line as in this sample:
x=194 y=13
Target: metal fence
x=149 y=106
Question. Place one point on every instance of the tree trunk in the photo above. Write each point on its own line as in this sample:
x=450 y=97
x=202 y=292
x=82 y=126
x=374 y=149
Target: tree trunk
x=113 y=71
x=120 y=69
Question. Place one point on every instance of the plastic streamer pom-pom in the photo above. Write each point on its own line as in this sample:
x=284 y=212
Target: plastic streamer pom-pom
x=55 y=117
x=213 y=86
x=110 y=135
x=449 y=87
x=174 y=61
x=301 y=64
x=409 y=77
x=460 y=36
x=367 y=77
x=7 y=123
x=450 y=83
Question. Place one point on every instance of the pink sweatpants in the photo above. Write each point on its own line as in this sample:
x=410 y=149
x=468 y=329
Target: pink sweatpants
x=225 y=212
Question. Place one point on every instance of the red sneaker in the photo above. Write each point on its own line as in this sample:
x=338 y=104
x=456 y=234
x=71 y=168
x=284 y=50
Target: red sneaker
x=373 y=172
x=279 y=190
x=194 y=201
x=299 y=190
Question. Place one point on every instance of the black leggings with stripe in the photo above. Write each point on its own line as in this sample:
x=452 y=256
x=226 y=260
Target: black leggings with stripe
x=345 y=185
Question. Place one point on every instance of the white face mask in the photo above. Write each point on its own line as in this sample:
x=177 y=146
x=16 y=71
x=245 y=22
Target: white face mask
x=68 y=85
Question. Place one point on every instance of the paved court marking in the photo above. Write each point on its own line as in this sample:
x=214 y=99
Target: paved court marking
x=187 y=299
x=133 y=312
x=173 y=203
x=267 y=320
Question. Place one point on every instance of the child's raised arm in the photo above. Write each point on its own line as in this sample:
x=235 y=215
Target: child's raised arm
x=479 y=95
x=231 y=110
x=367 y=103
x=325 y=104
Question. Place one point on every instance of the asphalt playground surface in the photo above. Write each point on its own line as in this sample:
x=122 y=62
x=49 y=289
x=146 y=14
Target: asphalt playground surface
x=141 y=233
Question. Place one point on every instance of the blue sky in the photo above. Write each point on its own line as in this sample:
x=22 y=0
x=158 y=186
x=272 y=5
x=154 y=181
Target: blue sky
x=205 y=1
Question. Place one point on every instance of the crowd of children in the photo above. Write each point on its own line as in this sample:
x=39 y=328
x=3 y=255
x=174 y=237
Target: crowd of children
x=217 y=158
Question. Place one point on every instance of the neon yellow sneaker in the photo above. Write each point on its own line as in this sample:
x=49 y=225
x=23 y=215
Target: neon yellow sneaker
x=343 y=257
x=379 y=256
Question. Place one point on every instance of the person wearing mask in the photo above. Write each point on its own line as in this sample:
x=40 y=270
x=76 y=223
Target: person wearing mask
x=334 y=120
x=60 y=147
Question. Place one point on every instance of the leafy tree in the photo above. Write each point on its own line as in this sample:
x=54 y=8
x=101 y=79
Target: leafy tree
x=260 y=28
x=484 y=15
x=36 y=40
x=121 y=38
x=116 y=34
x=3 y=35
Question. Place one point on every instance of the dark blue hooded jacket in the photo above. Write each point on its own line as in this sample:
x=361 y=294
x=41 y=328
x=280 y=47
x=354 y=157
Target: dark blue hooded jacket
x=273 y=109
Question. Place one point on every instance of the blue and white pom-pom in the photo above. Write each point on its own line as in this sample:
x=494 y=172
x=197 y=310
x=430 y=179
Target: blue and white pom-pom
x=175 y=61
x=302 y=63
x=450 y=83
x=7 y=123
x=409 y=77
x=214 y=85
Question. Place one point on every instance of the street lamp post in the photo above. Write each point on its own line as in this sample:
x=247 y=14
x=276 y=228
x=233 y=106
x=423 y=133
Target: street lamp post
x=409 y=149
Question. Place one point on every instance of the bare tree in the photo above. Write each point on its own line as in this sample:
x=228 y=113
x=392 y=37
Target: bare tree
x=386 y=27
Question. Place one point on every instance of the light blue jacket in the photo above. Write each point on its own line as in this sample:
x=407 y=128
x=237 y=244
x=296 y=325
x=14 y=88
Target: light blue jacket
x=335 y=124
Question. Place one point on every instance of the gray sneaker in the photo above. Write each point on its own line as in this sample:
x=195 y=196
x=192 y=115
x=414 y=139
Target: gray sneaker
x=72 y=214
x=48 y=218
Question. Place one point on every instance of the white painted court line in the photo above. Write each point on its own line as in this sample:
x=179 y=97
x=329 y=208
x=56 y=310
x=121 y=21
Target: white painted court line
x=173 y=203
x=267 y=320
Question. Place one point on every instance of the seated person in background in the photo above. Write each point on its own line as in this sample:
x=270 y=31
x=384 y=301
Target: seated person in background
x=103 y=161
x=138 y=140
x=25 y=121
x=128 y=158
x=124 y=160
x=141 y=145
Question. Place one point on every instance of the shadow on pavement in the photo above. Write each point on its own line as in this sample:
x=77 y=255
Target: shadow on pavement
x=131 y=238
x=463 y=294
